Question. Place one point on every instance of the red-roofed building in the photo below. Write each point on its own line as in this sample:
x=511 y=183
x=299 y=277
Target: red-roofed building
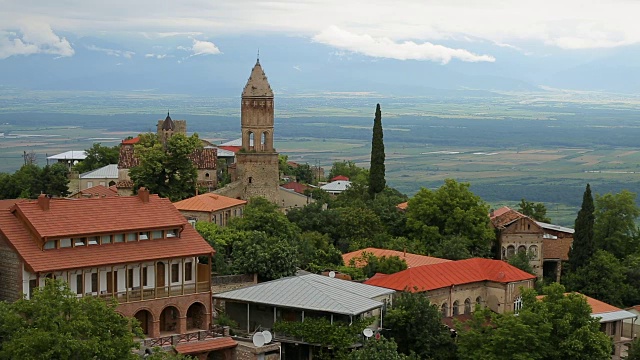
x=95 y=191
x=457 y=286
x=297 y=187
x=339 y=178
x=412 y=260
x=211 y=207
x=137 y=249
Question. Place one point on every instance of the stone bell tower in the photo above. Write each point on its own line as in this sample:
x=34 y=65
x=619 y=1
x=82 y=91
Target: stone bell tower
x=257 y=162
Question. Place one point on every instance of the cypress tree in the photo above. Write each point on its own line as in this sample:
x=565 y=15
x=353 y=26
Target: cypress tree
x=377 y=182
x=583 y=242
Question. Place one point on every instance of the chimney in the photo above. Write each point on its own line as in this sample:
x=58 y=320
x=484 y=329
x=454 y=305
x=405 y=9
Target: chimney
x=143 y=194
x=43 y=202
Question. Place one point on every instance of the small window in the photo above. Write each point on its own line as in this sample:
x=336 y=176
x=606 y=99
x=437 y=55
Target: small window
x=118 y=238
x=131 y=237
x=65 y=243
x=80 y=242
x=157 y=234
x=50 y=244
x=517 y=304
x=456 y=310
x=188 y=270
x=32 y=285
x=106 y=239
x=172 y=233
x=444 y=309
x=144 y=276
x=89 y=184
x=143 y=235
x=467 y=306
x=206 y=175
x=175 y=273
x=250 y=179
x=79 y=285
x=214 y=219
x=93 y=240
x=235 y=212
x=130 y=278
x=94 y=282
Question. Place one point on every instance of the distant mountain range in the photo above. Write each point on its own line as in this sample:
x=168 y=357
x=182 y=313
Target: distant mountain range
x=296 y=65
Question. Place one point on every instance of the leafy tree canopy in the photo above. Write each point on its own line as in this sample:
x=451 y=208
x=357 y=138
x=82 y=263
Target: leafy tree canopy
x=379 y=349
x=348 y=169
x=536 y=211
x=521 y=260
x=97 y=157
x=268 y=256
x=583 y=243
x=56 y=324
x=614 y=227
x=30 y=181
x=377 y=181
x=603 y=278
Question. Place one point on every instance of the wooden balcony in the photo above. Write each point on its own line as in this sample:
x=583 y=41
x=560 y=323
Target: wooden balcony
x=137 y=294
x=174 y=340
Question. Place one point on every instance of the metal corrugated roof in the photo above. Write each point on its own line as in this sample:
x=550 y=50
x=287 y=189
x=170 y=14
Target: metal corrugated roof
x=222 y=152
x=309 y=292
x=339 y=185
x=357 y=288
x=614 y=316
x=106 y=172
x=69 y=155
x=555 y=227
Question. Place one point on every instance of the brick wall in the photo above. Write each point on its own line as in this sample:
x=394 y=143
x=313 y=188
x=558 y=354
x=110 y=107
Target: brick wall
x=10 y=272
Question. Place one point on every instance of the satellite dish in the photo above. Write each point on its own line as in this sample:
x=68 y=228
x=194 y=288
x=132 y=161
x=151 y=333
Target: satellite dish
x=258 y=339
x=332 y=274
x=367 y=332
x=267 y=336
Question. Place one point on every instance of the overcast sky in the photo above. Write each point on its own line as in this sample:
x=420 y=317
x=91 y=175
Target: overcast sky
x=398 y=29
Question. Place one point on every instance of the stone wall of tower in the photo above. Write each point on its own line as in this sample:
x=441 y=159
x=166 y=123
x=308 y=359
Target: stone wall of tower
x=180 y=128
x=259 y=175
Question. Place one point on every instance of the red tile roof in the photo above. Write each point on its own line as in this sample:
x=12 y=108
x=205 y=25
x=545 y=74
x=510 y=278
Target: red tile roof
x=204 y=158
x=208 y=202
x=297 y=187
x=412 y=260
x=437 y=276
x=108 y=215
x=597 y=306
x=196 y=347
x=504 y=216
x=556 y=248
x=7 y=203
x=339 y=178
x=97 y=191
x=403 y=206
x=131 y=141
x=235 y=149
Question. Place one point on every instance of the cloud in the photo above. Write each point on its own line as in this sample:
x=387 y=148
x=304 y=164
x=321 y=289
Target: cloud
x=112 y=52
x=204 y=48
x=383 y=47
x=297 y=68
x=156 y=56
x=33 y=38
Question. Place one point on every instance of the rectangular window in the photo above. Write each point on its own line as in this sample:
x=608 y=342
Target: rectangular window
x=175 y=273
x=93 y=240
x=172 y=233
x=89 y=184
x=32 y=285
x=188 y=270
x=130 y=278
x=118 y=238
x=143 y=236
x=80 y=242
x=157 y=234
x=106 y=239
x=50 y=245
x=94 y=282
x=65 y=243
x=79 y=285
x=131 y=237
x=102 y=183
x=144 y=276
x=214 y=219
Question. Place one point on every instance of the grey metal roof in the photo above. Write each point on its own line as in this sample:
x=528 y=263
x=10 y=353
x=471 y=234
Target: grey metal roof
x=614 y=316
x=306 y=292
x=555 y=227
x=340 y=185
x=69 y=155
x=221 y=152
x=106 y=172
x=357 y=288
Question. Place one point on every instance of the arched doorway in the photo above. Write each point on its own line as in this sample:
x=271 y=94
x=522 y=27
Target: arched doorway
x=169 y=319
x=146 y=320
x=196 y=316
x=111 y=183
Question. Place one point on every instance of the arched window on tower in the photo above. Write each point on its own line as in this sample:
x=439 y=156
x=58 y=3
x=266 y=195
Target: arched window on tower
x=263 y=142
x=251 y=141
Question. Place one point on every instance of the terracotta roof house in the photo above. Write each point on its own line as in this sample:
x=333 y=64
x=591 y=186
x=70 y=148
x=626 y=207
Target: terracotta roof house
x=547 y=243
x=412 y=260
x=296 y=186
x=339 y=178
x=211 y=207
x=105 y=176
x=7 y=203
x=457 y=286
x=138 y=250
x=95 y=191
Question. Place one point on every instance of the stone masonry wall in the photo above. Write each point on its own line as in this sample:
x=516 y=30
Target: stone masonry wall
x=259 y=174
x=10 y=272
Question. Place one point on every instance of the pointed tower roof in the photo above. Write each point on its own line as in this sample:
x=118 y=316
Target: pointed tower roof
x=168 y=123
x=257 y=85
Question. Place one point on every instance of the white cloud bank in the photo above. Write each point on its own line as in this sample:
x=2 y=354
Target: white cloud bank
x=34 y=38
x=204 y=48
x=112 y=52
x=386 y=48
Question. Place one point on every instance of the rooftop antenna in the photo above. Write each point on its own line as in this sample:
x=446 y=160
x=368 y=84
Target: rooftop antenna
x=258 y=58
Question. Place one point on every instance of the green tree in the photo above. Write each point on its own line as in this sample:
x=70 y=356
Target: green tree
x=614 y=227
x=379 y=349
x=603 y=278
x=414 y=323
x=97 y=157
x=521 y=260
x=451 y=210
x=583 y=243
x=316 y=252
x=55 y=180
x=167 y=172
x=536 y=211
x=30 y=181
x=346 y=168
x=303 y=173
x=262 y=215
x=383 y=264
x=56 y=324
x=377 y=182
x=634 y=350
x=268 y=256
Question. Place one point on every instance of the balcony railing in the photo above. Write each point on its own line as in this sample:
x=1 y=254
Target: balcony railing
x=182 y=338
x=137 y=294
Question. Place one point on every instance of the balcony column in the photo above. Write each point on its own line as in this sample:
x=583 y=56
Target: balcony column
x=141 y=282
x=183 y=276
x=126 y=282
x=182 y=324
x=154 y=331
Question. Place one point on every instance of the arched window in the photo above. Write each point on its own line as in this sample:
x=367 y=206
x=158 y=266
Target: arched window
x=479 y=302
x=263 y=143
x=504 y=253
x=533 y=250
x=467 y=306
x=517 y=304
x=206 y=175
x=251 y=141
x=522 y=248
x=445 y=310
x=511 y=250
x=456 y=310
